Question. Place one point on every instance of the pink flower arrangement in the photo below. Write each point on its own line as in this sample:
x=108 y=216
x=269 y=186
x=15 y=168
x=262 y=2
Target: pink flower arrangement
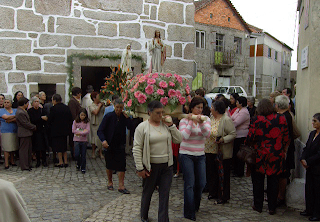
x=170 y=89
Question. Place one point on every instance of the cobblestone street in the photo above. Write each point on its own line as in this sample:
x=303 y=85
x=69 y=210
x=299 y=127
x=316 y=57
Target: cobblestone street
x=65 y=194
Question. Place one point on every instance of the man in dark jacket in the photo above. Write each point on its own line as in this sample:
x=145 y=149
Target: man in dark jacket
x=74 y=106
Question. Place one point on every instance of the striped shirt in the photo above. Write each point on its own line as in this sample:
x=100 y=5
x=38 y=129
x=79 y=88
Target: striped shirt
x=194 y=136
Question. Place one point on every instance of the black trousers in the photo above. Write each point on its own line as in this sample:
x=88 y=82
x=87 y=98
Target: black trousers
x=41 y=154
x=258 y=190
x=312 y=194
x=161 y=175
x=238 y=165
x=212 y=167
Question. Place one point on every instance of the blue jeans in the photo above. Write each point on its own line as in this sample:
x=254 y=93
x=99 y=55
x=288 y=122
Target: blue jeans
x=80 y=151
x=194 y=176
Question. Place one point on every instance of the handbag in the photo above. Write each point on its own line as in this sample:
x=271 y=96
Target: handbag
x=247 y=154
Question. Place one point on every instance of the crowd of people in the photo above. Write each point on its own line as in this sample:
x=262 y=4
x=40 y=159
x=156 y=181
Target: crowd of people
x=204 y=144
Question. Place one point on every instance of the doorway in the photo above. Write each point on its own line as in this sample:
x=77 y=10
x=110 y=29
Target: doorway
x=95 y=76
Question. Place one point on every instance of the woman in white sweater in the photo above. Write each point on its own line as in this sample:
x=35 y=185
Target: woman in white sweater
x=153 y=158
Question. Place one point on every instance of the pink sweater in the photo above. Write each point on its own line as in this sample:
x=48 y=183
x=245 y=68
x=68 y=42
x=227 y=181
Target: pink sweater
x=193 y=136
x=241 y=120
x=80 y=131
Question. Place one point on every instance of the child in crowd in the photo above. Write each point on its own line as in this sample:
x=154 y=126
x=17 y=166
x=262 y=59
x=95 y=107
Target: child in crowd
x=80 y=129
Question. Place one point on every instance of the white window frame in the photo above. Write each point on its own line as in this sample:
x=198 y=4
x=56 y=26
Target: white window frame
x=202 y=39
x=220 y=46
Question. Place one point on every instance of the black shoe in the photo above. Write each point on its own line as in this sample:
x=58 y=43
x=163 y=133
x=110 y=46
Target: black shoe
x=256 y=209
x=58 y=165
x=45 y=164
x=314 y=218
x=83 y=171
x=144 y=220
x=305 y=213
x=12 y=164
x=6 y=167
x=38 y=164
x=78 y=167
x=210 y=197
x=272 y=212
x=221 y=201
x=191 y=218
x=66 y=165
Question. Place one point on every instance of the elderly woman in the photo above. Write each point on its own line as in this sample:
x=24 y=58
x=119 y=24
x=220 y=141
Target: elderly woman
x=310 y=160
x=195 y=132
x=60 y=124
x=38 y=117
x=282 y=107
x=112 y=133
x=251 y=107
x=241 y=120
x=218 y=150
x=268 y=133
x=25 y=131
x=9 y=139
x=153 y=158
x=42 y=97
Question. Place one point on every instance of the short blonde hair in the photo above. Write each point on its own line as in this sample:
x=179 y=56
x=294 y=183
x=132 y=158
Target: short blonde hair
x=274 y=94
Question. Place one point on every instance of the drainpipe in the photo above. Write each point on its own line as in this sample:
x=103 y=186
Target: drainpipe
x=254 y=87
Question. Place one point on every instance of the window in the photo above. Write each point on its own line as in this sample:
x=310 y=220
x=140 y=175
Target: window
x=200 y=39
x=239 y=90
x=210 y=15
x=229 y=19
x=269 y=52
x=237 y=45
x=284 y=58
x=231 y=90
x=276 y=55
x=219 y=42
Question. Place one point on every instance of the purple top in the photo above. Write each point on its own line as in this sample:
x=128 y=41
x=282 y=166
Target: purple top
x=241 y=120
x=80 y=131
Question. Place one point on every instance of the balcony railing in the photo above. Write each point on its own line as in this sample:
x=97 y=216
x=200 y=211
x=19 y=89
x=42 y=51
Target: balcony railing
x=223 y=59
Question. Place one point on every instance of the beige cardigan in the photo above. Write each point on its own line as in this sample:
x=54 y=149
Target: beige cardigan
x=227 y=130
x=141 y=145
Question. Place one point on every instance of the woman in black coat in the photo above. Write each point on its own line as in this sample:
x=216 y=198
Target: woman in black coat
x=310 y=160
x=60 y=123
x=38 y=117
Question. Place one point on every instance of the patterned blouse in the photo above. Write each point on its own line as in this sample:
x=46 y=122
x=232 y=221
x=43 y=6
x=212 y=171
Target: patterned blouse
x=210 y=145
x=270 y=138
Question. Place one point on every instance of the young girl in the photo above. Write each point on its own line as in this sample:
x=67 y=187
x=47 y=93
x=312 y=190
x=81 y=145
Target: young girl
x=80 y=129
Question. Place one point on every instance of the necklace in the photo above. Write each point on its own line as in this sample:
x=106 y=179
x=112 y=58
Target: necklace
x=159 y=131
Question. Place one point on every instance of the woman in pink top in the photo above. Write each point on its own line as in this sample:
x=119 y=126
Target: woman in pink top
x=81 y=129
x=192 y=157
x=241 y=120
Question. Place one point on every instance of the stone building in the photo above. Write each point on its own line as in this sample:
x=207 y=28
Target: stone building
x=40 y=40
x=273 y=62
x=308 y=77
x=222 y=44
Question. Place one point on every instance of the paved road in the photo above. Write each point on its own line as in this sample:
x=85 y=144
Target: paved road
x=64 y=194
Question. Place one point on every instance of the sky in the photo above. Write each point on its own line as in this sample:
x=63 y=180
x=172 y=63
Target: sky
x=277 y=17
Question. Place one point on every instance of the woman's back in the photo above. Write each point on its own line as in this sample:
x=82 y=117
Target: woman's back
x=270 y=137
